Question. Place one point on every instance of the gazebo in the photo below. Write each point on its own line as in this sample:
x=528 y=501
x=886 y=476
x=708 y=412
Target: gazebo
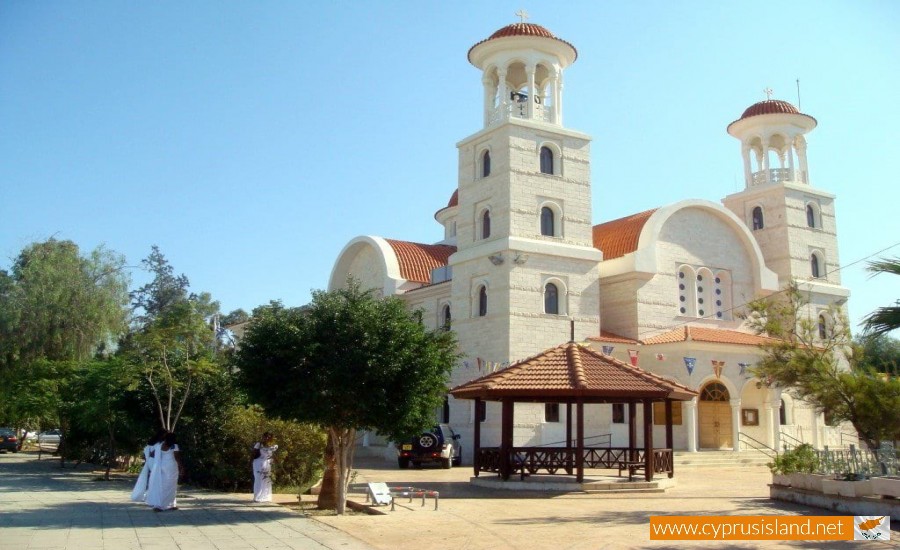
x=573 y=373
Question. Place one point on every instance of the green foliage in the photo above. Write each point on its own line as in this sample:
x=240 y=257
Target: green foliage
x=348 y=361
x=878 y=352
x=801 y=459
x=172 y=342
x=824 y=372
x=887 y=318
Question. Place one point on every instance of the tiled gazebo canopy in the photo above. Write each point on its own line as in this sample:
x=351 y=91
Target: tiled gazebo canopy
x=575 y=374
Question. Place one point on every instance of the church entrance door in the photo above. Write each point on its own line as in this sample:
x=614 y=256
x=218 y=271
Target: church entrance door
x=714 y=411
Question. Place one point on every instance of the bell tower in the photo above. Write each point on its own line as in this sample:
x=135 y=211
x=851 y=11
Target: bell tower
x=793 y=222
x=525 y=263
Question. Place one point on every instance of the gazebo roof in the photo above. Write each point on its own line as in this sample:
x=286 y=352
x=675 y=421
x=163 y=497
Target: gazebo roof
x=569 y=372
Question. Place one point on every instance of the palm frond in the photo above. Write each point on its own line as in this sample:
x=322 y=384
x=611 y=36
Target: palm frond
x=882 y=320
x=884 y=266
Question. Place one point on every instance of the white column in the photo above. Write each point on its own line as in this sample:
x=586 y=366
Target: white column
x=489 y=91
x=531 y=93
x=736 y=424
x=504 y=95
x=801 y=156
x=771 y=427
x=690 y=419
x=765 y=159
x=558 y=98
x=790 y=154
x=748 y=175
x=815 y=430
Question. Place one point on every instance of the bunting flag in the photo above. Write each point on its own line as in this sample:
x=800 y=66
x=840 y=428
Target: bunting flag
x=607 y=350
x=717 y=367
x=478 y=359
x=689 y=363
x=466 y=364
x=633 y=355
x=743 y=368
x=660 y=357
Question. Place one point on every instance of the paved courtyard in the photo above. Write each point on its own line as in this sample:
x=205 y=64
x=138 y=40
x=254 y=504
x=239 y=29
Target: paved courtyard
x=43 y=507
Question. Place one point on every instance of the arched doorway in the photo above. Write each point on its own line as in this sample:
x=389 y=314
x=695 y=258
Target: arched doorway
x=714 y=411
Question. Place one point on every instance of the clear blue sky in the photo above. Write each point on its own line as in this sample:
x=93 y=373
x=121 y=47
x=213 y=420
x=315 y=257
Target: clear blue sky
x=252 y=140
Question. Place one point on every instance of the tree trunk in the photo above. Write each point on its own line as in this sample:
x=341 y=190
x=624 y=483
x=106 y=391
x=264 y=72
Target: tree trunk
x=327 y=495
x=344 y=440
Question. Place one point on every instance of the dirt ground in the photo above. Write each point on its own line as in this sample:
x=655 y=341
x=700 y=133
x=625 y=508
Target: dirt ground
x=474 y=517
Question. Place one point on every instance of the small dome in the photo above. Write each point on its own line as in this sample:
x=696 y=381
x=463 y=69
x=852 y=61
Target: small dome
x=770 y=107
x=454 y=199
x=522 y=29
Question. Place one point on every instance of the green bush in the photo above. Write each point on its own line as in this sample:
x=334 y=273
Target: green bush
x=298 y=463
x=801 y=459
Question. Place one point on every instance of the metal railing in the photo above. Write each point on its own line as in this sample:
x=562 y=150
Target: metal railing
x=608 y=438
x=881 y=462
x=788 y=441
x=757 y=445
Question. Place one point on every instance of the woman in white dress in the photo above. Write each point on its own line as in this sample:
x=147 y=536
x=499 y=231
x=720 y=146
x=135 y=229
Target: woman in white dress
x=262 y=468
x=140 y=487
x=164 y=476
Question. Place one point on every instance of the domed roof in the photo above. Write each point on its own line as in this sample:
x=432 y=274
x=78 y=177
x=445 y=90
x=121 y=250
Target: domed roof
x=522 y=29
x=454 y=199
x=770 y=107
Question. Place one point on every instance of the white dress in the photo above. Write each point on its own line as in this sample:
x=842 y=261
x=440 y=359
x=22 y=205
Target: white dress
x=262 y=473
x=163 y=479
x=140 y=487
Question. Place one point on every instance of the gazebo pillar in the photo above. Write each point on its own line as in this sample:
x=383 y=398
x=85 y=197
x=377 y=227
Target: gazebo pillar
x=632 y=431
x=648 y=440
x=506 y=438
x=669 y=443
x=569 y=462
x=579 y=450
x=477 y=436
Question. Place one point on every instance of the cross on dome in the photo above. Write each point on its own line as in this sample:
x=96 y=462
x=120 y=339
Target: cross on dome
x=522 y=14
x=768 y=92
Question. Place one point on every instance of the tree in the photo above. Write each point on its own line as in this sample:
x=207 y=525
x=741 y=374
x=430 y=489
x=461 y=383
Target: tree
x=347 y=362
x=55 y=306
x=887 y=318
x=821 y=366
x=878 y=352
x=172 y=341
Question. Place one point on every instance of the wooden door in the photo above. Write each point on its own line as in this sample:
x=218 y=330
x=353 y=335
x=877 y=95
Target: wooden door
x=715 y=425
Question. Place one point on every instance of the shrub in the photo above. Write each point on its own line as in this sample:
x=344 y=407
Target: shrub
x=801 y=459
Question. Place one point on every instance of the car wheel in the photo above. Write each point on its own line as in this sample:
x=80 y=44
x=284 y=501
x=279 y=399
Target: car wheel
x=403 y=463
x=446 y=463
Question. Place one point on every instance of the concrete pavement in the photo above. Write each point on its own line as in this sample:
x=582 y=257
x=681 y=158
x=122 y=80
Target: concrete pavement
x=43 y=507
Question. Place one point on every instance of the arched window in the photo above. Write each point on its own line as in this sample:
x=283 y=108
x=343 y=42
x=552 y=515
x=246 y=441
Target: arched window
x=823 y=327
x=758 y=222
x=445 y=317
x=810 y=216
x=551 y=299
x=482 y=301
x=705 y=284
x=722 y=295
x=547 y=221
x=782 y=414
x=486 y=164
x=486 y=224
x=714 y=392
x=546 y=160
x=814 y=266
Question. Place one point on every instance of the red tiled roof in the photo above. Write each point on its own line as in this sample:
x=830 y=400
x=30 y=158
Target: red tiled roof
x=572 y=371
x=610 y=337
x=521 y=29
x=619 y=237
x=417 y=260
x=710 y=335
x=768 y=107
x=454 y=199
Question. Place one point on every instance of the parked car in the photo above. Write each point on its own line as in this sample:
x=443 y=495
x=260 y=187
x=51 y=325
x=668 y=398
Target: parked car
x=8 y=440
x=440 y=444
x=49 y=440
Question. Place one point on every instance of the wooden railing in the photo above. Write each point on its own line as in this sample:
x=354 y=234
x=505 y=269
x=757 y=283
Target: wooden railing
x=533 y=460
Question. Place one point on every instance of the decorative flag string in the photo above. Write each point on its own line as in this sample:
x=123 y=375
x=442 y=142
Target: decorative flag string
x=743 y=367
x=689 y=363
x=660 y=357
x=717 y=367
x=607 y=350
x=633 y=355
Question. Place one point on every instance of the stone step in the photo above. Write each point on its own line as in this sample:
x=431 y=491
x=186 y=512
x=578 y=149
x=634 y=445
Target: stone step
x=622 y=491
x=612 y=486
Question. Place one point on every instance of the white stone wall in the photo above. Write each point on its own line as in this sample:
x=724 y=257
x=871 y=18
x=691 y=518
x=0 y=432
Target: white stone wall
x=366 y=267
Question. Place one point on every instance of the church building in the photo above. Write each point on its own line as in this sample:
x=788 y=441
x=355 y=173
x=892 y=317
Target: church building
x=524 y=267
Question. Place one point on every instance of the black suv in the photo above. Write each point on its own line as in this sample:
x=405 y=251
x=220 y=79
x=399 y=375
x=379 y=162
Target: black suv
x=441 y=444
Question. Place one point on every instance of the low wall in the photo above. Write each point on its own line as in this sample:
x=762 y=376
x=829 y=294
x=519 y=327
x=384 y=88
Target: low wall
x=857 y=506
